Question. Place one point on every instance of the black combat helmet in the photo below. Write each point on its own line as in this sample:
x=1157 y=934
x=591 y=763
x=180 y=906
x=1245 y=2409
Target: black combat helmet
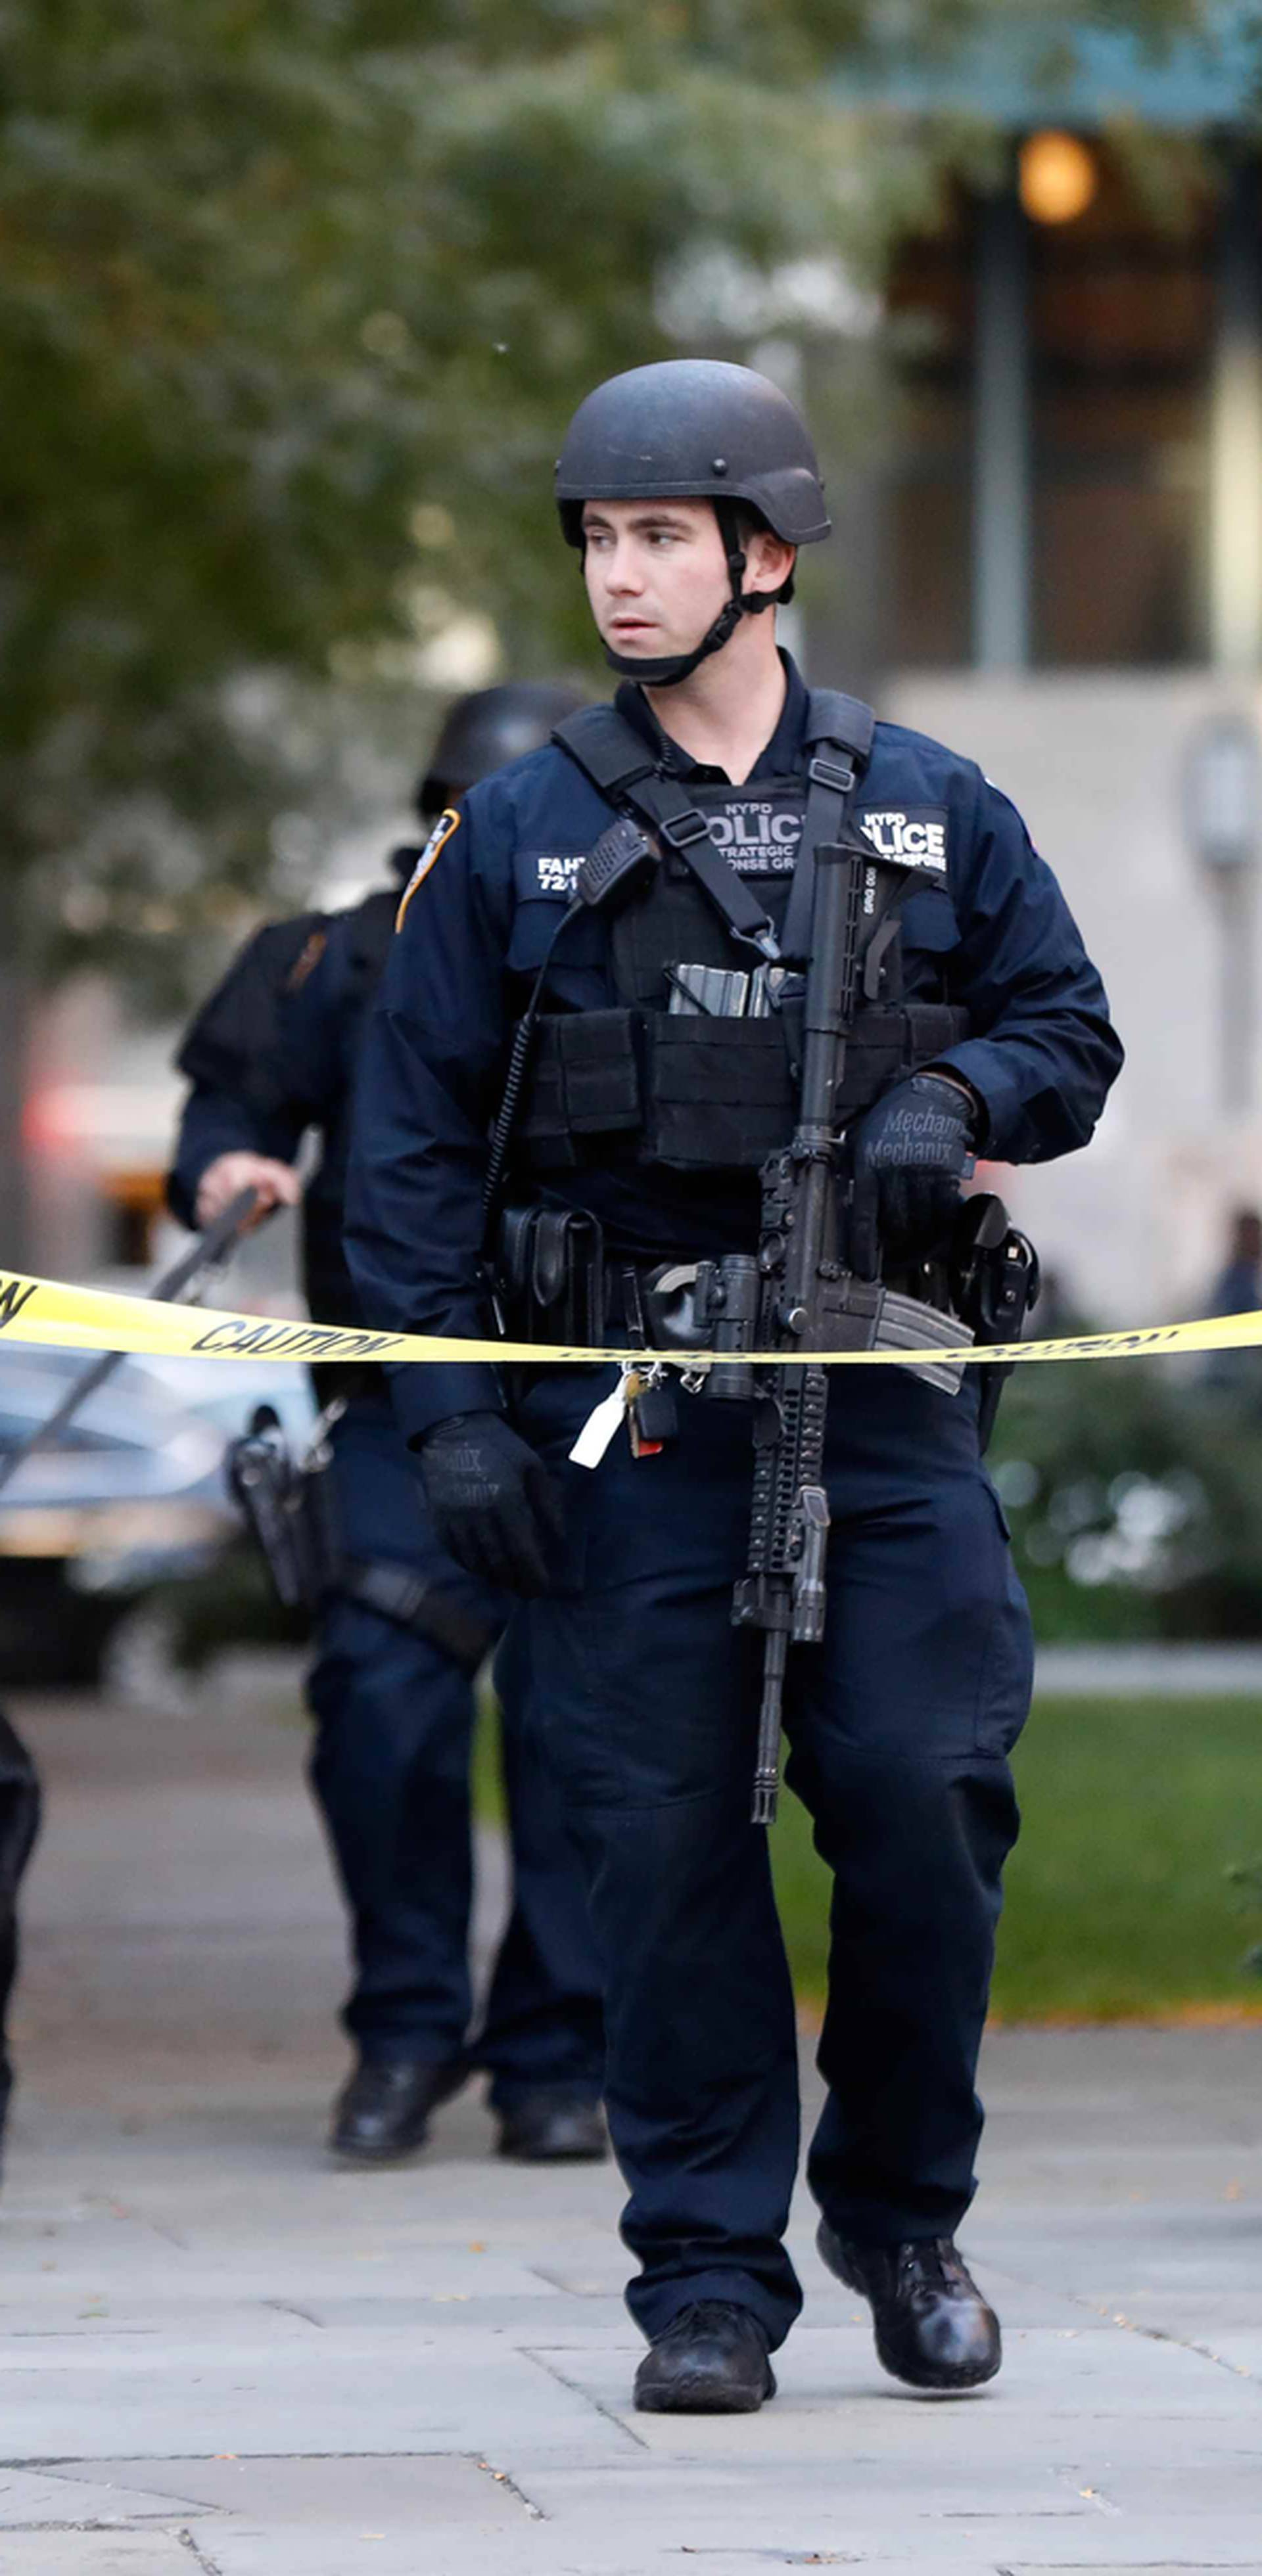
x=486 y=730
x=693 y=429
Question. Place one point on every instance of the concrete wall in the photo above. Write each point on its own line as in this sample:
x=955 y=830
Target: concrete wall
x=1096 y=763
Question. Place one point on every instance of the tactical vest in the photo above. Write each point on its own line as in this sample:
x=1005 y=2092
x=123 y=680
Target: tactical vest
x=326 y=1277
x=236 y=1045
x=230 y=1045
x=695 y=1089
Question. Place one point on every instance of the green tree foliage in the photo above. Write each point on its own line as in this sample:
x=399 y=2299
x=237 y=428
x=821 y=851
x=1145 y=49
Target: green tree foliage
x=273 y=273
x=1132 y=1497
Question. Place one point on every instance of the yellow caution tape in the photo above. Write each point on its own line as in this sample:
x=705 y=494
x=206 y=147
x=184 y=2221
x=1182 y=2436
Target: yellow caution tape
x=46 y=1311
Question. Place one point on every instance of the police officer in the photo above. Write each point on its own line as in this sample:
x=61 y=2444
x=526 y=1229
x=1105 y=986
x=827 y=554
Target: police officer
x=659 y=1079
x=273 y=1053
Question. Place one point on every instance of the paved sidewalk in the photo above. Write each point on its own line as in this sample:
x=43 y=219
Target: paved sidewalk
x=218 y=2353
x=1148 y=1672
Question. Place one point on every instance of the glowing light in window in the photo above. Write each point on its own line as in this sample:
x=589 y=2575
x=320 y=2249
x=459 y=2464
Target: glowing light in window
x=1058 y=177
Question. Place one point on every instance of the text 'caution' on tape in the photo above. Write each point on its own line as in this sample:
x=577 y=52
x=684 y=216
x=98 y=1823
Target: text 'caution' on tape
x=47 y=1312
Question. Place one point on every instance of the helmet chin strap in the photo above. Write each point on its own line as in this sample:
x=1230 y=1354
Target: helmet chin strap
x=669 y=668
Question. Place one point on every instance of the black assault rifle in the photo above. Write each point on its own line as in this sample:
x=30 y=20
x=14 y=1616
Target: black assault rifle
x=798 y=1296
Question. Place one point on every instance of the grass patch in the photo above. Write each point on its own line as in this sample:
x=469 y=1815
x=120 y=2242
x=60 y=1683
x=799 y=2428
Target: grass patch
x=489 y=1803
x=1119 y=1903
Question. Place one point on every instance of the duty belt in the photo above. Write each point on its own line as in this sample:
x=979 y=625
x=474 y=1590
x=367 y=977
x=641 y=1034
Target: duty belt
x=557 y=1282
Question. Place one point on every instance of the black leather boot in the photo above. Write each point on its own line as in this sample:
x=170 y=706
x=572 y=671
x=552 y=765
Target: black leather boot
x=553 y=2124
x=933 y=2327
x=711 y=2360
x=383 y=2112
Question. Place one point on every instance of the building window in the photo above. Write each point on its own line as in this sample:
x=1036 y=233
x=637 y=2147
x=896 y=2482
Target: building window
x=1119 y=326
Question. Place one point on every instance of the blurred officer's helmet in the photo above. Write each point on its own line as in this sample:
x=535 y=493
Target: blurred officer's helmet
x=487 y=729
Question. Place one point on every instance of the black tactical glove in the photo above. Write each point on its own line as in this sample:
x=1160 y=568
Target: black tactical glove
x=911 y=1152
x=496 y=1508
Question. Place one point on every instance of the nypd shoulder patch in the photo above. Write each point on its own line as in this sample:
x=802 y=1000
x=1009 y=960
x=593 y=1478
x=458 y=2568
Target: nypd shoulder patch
x=306 y=961
x=914 y=834
x=448 y=822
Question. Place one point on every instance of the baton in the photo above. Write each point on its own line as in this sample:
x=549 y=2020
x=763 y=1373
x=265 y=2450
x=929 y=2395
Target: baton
x=210 y=1248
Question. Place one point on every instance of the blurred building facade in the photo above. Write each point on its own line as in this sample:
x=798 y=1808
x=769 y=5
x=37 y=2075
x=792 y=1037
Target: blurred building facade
x=1054 y=561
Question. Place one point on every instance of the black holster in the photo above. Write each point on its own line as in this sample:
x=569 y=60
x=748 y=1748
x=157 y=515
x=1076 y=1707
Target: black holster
x=289 y=1509
x=994 y=1282
x=550 y=1275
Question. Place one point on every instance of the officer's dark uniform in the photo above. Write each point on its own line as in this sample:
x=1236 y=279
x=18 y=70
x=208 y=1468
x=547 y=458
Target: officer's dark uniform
x=394 y=1709
x=19 y=1825
x=901 y=1723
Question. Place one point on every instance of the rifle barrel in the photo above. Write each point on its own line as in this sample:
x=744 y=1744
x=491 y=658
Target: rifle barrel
x=770 y=1717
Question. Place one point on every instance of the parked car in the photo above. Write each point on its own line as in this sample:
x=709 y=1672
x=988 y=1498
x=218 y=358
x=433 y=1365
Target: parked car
x=132 y=1496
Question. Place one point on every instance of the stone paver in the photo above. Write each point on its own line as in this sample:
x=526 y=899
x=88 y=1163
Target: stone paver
x=220 y=2353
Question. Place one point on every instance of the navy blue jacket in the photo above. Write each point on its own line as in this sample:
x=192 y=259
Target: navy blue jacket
x=474 y=928
x=277 y=1063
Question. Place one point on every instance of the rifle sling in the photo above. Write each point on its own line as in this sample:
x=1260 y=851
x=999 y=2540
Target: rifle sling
x=394 y=1592
x=620 y=765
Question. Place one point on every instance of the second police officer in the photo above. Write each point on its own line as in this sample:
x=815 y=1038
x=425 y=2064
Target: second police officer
x=273 y=1053
x=655 y=1088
